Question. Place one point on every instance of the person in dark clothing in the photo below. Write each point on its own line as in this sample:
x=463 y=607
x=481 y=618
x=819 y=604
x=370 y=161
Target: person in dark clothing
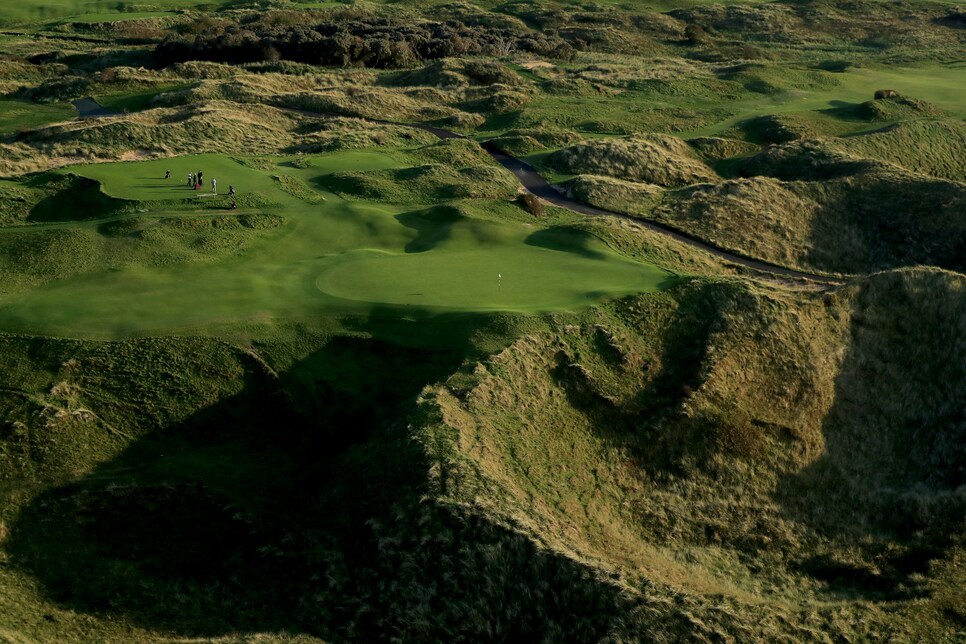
x=233 y=204
x=167 y=174
x=231 y=190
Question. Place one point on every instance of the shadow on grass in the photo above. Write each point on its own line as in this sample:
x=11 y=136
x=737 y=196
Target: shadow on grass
x=886 y=498
x=888 y=221
x=565 y=239
x=433 y=226
x=297 y=506
x=72 y=198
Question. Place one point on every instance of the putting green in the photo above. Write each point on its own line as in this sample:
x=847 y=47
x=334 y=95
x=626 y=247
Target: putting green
x=329 y=257
x=144 y=181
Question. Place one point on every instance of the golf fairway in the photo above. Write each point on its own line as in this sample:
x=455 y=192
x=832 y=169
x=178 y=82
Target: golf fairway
x=329 y=257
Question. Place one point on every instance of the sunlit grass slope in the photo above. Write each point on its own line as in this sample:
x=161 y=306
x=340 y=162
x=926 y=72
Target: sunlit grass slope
x=731 y=448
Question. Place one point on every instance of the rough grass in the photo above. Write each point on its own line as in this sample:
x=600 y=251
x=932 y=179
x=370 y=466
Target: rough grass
x=215 y=127
x=33 y=12
x=717 y=149
x=862 y=223
x=700 y=440
x=632 y=197
x=931 y=147
x=657 y=159
x=721 y=461
x=896 y=109
x=422 y=184
x=522 y=142
x=200 y=456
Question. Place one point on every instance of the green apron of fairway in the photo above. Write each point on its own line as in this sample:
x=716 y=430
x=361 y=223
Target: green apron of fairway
x=328 y=257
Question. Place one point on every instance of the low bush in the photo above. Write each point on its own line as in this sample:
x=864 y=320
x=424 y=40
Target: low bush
x=530 y=203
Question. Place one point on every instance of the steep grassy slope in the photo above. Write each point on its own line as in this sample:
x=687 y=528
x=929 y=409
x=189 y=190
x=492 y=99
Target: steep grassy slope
x=870 y=221
x=708 y=445
x=661 y=160
x=935 y=148
x=191 y=488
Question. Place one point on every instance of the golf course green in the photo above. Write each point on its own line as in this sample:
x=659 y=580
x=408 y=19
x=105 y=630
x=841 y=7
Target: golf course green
x=328 y=256
x=21 y=115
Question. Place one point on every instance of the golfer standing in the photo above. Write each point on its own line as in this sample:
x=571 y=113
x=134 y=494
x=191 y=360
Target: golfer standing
x=191 y=179
x=214 y=189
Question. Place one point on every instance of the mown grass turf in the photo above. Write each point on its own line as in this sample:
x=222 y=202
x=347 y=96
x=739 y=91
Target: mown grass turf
x=97 y=11
x=696 y=103
x=91 y=18
x=18 y=115
x=145 y=181
x=329 y=256
x=137 y=100
x=943 y=84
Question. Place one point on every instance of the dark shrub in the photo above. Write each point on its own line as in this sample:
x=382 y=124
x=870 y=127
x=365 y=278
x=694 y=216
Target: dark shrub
x=695 y=34
x=530 y=203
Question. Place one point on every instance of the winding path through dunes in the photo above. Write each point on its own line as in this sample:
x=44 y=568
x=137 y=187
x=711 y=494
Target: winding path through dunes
x=88 y=108
x=534 y=182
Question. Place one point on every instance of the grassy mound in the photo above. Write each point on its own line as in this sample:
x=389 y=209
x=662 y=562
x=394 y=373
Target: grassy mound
x=460 y=153
x=781 y=128
x=156 y=485
x=494 y=100
x=912 y=460
x=760 y=217
x=677 y=465
x=212 y=127
x=51 y=197
x=936 y=148
x=652 y=158
x=374 y=102
x=453 y=73
x=632 y=197
x=332 y=135
x=344 y=433
x=16 y=201
x=766 y=79
x=809 y=160
x=868 y=222
x=896 y=108
x=521 y=142
x=436 y=182
x=716 y=149
x=703 y=445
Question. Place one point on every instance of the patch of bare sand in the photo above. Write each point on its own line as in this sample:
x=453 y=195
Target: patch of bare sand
x=537 y=64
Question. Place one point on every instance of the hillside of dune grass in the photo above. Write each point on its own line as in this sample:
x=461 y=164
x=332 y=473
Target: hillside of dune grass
x=703 y=463
x=893 y=197
x=727 y=447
